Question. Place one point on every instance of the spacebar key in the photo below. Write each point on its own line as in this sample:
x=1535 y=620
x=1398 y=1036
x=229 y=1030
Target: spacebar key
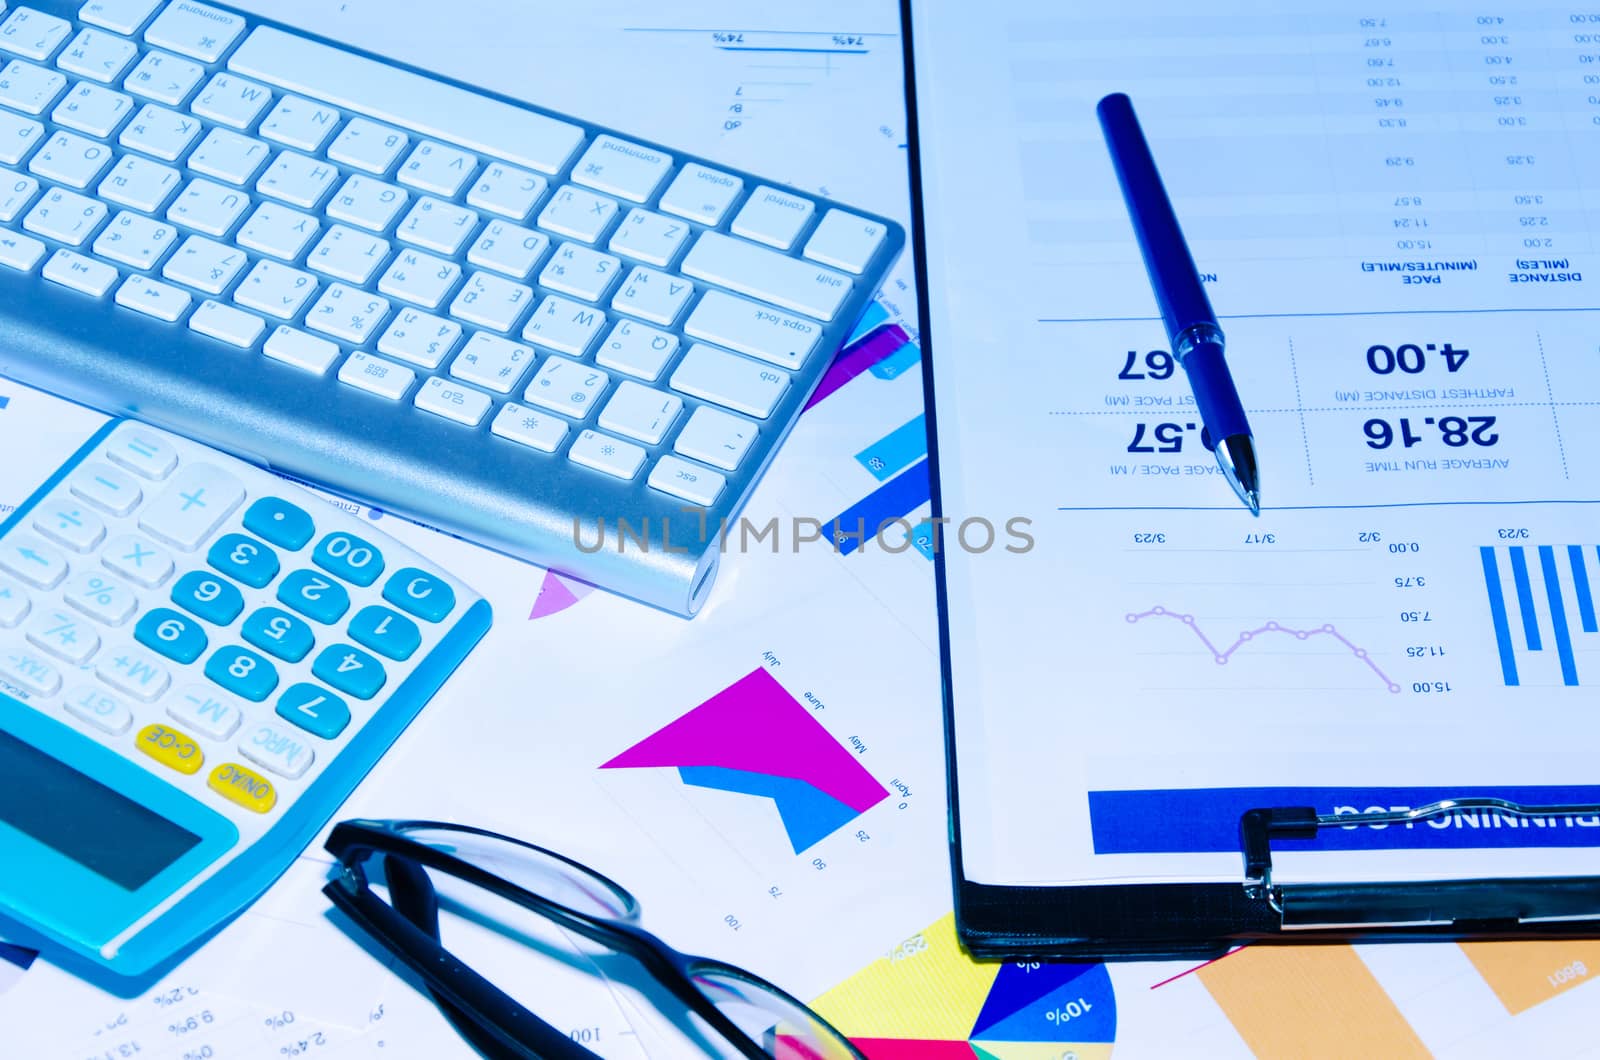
x=767 y=275
x=400 y=97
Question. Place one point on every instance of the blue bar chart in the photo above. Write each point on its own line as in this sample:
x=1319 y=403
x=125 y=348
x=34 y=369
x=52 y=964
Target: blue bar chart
x=1548 y=587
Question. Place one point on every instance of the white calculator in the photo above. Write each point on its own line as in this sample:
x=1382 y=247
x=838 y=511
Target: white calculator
x=198 y=662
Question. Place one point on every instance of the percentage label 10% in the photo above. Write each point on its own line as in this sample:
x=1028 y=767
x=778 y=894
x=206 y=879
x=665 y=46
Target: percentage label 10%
x=1454 y=431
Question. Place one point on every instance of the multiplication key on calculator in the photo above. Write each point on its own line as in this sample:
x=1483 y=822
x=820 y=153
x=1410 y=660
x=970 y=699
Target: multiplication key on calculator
x=198 y=662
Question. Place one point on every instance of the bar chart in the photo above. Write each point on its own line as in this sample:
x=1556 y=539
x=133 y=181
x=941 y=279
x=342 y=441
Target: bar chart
x=1541 y=604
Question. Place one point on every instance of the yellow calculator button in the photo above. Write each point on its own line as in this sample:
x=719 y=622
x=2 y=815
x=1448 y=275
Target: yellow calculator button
x=171 y=748
x=243 y=786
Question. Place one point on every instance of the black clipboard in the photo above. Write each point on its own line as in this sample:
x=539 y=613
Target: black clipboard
x=1201 y=920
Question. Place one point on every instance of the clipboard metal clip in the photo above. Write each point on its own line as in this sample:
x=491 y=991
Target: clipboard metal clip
x=1257 y=829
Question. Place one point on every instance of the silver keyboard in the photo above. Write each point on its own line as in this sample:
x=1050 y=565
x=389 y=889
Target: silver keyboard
x=573 y=345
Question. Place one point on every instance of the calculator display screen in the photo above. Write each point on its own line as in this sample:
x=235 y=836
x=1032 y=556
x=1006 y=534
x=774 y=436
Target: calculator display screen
x=83 y=819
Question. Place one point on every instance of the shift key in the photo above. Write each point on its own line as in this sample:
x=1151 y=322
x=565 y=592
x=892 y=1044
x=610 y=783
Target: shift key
x=768 y=275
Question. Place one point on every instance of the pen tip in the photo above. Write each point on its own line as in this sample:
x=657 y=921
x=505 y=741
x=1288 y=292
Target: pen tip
x=1253 y=501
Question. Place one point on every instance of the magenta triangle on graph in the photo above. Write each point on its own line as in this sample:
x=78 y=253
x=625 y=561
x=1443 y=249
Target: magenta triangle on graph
x=557 y=594
x=756 y=726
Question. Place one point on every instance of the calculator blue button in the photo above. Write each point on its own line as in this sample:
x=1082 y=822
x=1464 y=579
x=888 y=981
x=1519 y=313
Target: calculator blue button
x=385 y=632
x=318 y=598
x=244 y=558
x=349 y=557
x=166 y=632
x=316 y=710
x=242 y=672
x=279 y=633
x=209 y=597
x=424 y=595
x=279 y=522
x=349 y=670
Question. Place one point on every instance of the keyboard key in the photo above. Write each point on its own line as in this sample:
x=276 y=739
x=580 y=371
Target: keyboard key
x=18 y=136
x=153 y=298
x=419 y=593
x=277 y=748
x=580 y=272
x=701 y=194
x=69 y=524
x=564 y=325
x=714 y=437
x=367 y=145
x=195 y=504
x=100 y=597
x=208 y=207
x=436 y=167
x=603 y=453
x=530 y=427
x=30 y=672
x=14 y=603
x=767 y=275
x=508 y=249
x=316 y=710
x=29 y=558
x=19 y=252
x=140 y=183
x=649 y=237
x=70 y=159
x=349 y=255
x=304 y=351
x=434 y=224
x=64 y=635
x=422 y=339
x=79 y=273
x=656 y=296
x=349 y=557
x=207 y=596
x=420 y=278
x=507 y=191
x=617 y=167
x=204 y=264
x=137 y=559
x=168 y=633
x=297 y=180
x=244 y=559
x=578 y=214
x=428 y=107
x=367 y=202
x=196 y=30
x=242 y=672
x=845 y=241
x=106 y=488
x=157 y=131
x=385 y=632
x=135 y=672
x=65 y=216
x=228 y=156
x=33 y=34
x=773 y=217
x=92 y=109
x=16 y=192
x=493 y=362
x=319 y=598
x=29 y=88
x=243 y=786
x=142 y=451
x=376 y=376
x=347 y=313
x=99 y=709
x=491 y=301
x=206 y=711
x=278 y=231
x=350 y=670
x=728 y=379
x=750 y=327
x=300 y=123
x=136 y=240
x=97 y=56
x=459 y=404
x=642 y=414
x=164 y=78
x=568 y=387
x=281 y=522
x=279 y=633
x=637 y=349
x=227 y=324
x=276 y=290
x=171 y=747
x=119 y=16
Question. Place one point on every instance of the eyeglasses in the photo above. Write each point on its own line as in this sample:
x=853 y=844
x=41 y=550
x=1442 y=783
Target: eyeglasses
x=732 y=1008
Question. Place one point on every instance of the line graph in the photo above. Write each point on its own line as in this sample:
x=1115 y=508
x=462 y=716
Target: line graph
x=1224 y=655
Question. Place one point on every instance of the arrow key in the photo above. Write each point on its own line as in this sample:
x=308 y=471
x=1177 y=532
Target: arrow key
x=29 y=558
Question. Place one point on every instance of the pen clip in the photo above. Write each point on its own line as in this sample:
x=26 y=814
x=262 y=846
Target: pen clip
x=1258 y=827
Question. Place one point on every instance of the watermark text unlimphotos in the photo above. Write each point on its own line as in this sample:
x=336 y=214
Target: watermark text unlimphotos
x=975 y=534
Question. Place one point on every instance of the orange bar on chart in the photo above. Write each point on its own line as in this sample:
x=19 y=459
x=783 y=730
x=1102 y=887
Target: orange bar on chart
x=1522 y=974
x=1309 y=1001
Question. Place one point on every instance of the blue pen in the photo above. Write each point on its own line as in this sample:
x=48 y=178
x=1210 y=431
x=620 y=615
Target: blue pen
x=1191 y=325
